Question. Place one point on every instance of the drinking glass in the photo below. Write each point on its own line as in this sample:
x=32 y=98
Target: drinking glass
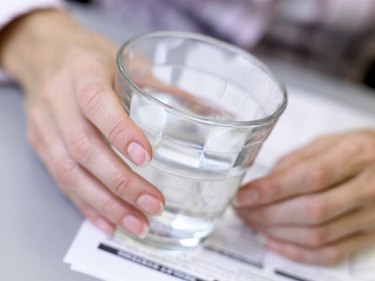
x=206 y=107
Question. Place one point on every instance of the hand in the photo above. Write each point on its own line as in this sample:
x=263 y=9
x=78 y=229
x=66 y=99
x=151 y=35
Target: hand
x=318 y=204
x=73 y=112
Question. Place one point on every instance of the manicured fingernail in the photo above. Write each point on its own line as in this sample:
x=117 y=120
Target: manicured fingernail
x=104 y=226
x=150 y=204
x=247 y=198
x=138 y=155
x=135 y=226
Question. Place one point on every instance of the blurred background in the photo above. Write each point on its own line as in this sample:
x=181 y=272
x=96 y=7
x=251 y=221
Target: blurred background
x=336 y=37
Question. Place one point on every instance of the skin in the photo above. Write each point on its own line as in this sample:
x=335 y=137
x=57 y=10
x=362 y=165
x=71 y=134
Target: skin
x=318 y=204
x=73 y=114
x=72 y=110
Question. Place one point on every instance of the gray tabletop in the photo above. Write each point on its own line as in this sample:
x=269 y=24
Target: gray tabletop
x=37 y=223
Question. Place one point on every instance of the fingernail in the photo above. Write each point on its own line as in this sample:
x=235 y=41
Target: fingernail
x=247 y=198
x=138 y=155
x=135 y=226
x=150 y=204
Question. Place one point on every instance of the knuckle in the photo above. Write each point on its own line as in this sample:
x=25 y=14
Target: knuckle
x=355 y=148
x=120 y=185
x=115 y=129
x=317 y=237
x=65 y=171
x=316 y=210
x=367 y=185
x=296 y=254
x=366 y=143
x=351 y=147
x=263 y=215
x=89 y=98
x=274 y=189
x=109 y=209
x=80 y=147
x=316 y=176
x=332 y=256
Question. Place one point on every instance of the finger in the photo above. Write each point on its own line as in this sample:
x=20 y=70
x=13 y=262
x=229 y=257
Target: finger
x=327 y=255
x=303 y=210
x=93 y=216
x=314 y=174
x=311 y=149
x=88 y=148
x=317 y=236
x=100 y=104
x=77 y=183
x=315 y=208
x=106 y=204
x=86 y=210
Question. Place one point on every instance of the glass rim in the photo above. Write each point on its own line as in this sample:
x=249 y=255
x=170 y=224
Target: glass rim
x=210 y=41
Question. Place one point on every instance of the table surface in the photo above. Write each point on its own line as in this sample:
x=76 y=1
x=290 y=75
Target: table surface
x=37 y=222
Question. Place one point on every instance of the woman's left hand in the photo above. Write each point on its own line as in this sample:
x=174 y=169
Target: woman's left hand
x=318 y=204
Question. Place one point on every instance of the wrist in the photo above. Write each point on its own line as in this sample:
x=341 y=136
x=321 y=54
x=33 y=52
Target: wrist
x=32 y=44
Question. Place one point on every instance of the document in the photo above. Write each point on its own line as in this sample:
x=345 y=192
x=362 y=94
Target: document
x=233 y=252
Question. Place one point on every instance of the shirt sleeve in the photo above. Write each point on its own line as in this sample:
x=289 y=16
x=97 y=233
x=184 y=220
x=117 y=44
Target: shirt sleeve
x=11 y=9
x=241 y=22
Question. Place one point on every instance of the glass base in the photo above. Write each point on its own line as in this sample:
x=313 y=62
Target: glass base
x=170 y=244
x=175 y=232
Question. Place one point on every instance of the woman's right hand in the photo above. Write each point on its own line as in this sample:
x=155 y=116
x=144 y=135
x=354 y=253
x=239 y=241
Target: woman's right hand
x=72 y=111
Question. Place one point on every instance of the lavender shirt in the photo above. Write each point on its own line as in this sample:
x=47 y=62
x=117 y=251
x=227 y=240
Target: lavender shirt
x=334 y=36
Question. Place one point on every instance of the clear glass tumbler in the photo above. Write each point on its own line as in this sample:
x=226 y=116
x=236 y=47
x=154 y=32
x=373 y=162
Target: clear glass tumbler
x=206 y=107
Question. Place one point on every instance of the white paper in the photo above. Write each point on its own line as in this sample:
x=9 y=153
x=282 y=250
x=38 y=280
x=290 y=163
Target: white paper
x=233 y=252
